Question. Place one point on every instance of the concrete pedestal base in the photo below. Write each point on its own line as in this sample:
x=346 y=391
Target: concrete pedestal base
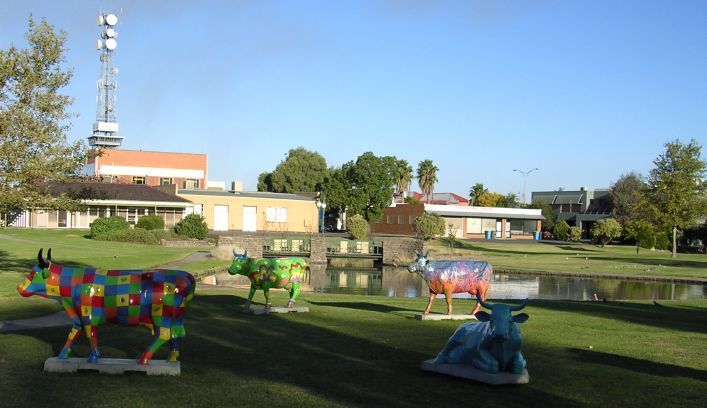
x=111 y=366
x=436 y=316
x=263 y=310
x=472 y=373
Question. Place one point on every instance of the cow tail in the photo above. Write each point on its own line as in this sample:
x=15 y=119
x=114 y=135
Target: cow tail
x=192 y=288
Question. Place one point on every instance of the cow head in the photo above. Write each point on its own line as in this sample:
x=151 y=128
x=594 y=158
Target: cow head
x=36 y=282
x=240 y=263
x=420 y=264
x=501 y=320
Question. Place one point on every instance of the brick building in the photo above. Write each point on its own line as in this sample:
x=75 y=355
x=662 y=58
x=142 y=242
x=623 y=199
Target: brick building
x=186 y=170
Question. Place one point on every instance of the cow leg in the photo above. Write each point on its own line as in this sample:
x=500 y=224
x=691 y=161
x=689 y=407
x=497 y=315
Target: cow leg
x=250 y=296
x=177 y=333
x=266 y=292
x=294 y=293
x=485 y=361
x=448 y=298
x=165 y=334
x=92 y=334
x=429 y=303
x=73 y=335
x=518 y=363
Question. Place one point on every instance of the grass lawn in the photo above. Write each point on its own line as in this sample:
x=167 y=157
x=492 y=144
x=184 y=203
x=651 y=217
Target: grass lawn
x=575 y=258
x=366 y=351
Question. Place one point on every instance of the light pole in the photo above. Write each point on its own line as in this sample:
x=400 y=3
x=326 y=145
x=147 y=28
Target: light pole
x=525 y=179
x=321 y=205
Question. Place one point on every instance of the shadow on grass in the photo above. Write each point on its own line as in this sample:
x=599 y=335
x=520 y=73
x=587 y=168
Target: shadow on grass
x=229 y=358
x=640 y=366
x=371 y=307
x=658 y=315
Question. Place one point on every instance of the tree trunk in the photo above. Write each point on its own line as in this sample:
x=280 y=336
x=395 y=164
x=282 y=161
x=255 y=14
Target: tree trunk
x=675 y=241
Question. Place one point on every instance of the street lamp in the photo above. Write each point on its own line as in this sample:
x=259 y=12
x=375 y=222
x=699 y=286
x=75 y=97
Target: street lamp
x=321 y=205
x=525 y=177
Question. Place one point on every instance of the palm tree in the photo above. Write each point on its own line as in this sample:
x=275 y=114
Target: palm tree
x=403 y=175
x=476 y=192
x=427 y=177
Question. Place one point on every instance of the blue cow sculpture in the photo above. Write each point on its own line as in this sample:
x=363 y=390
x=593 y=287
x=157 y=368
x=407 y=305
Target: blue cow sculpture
x=493 y=345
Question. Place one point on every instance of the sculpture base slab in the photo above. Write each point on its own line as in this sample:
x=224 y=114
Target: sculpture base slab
x=472 y=373
x=268 y=310
x=111 y=366
x=436 y=316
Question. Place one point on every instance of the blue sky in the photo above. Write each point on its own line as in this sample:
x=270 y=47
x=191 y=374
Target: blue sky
x=583 y=90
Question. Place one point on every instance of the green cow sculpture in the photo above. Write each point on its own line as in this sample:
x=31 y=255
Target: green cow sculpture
x=285 y=273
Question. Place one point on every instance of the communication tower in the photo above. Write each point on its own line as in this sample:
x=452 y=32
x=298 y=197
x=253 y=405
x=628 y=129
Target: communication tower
x=105 y=128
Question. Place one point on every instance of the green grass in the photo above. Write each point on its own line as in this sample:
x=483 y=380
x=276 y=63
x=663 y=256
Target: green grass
x=366 y=351
x=575 y=258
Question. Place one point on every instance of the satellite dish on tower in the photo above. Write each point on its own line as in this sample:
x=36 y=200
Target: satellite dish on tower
x=111 y=44
x=99 y=44
x=111 y=19
x=100 y=21
x=110 y=33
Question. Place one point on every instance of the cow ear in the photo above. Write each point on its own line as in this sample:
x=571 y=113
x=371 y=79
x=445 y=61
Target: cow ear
x=483 y=316
x=521 y=317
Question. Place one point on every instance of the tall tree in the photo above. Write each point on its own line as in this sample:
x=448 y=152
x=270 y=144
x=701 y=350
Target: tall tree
x=678 y=187
x=628 y=198
x=301 y=171
x=509 y=200
x=33 y=120
x=362 y=187
x=403 y=175
x=547 y=212
x=476 y=192
x=490 y=199
x=427 y=177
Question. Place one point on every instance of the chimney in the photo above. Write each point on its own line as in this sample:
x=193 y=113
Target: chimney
x=236 y=185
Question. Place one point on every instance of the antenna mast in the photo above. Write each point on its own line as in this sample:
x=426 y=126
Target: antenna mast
x=105 y=128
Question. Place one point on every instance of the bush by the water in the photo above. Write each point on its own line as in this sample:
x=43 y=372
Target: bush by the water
x=562 y=230
x=150 y=222
x=430 y=225
x=108 y=224
x=137 y=235
x=357 y=226
x=192 y=226
x=661 y=240
x=574 y=234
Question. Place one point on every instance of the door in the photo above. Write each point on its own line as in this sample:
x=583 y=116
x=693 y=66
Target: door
x=249 y=219
x=220 y=218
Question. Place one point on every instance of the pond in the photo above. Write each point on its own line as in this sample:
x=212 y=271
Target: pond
x=398 y=282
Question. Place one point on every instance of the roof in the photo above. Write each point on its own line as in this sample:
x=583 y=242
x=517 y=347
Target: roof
x=441 y=198
x=247 y=194
x=113 y=191
x=485 y=212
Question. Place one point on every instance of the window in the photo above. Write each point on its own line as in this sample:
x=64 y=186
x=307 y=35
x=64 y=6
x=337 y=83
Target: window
x=191 y=184
x=400 y=219
x=480 y=225
x=138 y=180
x=388 y=219
x=276 y=214
x=411 y=220
x=166 y=181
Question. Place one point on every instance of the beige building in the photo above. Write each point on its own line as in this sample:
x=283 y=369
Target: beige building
x=254 y=211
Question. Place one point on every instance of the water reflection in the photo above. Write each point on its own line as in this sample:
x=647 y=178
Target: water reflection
x=398 y=282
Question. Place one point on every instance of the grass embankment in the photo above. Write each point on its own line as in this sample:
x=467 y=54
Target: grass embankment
x=366 y=351
x=574 y=258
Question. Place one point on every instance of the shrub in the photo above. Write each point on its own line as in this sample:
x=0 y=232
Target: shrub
x=357 y=226
x=103 y=225
x=137 y=235
x=603 y=231
x=429 y=225
x=167 y=235
x=562 y=230
x=661 y=240
x=150 y=222
x=642 y=232
x=574 y=234
x=192 y=226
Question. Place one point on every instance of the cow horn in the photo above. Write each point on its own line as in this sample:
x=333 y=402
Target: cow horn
x=245 y=254
x=520 y=306
x=235 y=255
x=488 y=306
x=40 y=260
x=417 y=253
x=49 y=255
x=427 y=253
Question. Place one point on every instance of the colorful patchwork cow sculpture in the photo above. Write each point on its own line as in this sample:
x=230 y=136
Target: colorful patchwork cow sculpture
x=492 y=345
x=451 y=277
x=156 y=299
x=285 y=273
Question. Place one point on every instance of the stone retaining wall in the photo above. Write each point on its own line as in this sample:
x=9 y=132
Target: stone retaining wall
x=400 y=251
x=187 y=243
